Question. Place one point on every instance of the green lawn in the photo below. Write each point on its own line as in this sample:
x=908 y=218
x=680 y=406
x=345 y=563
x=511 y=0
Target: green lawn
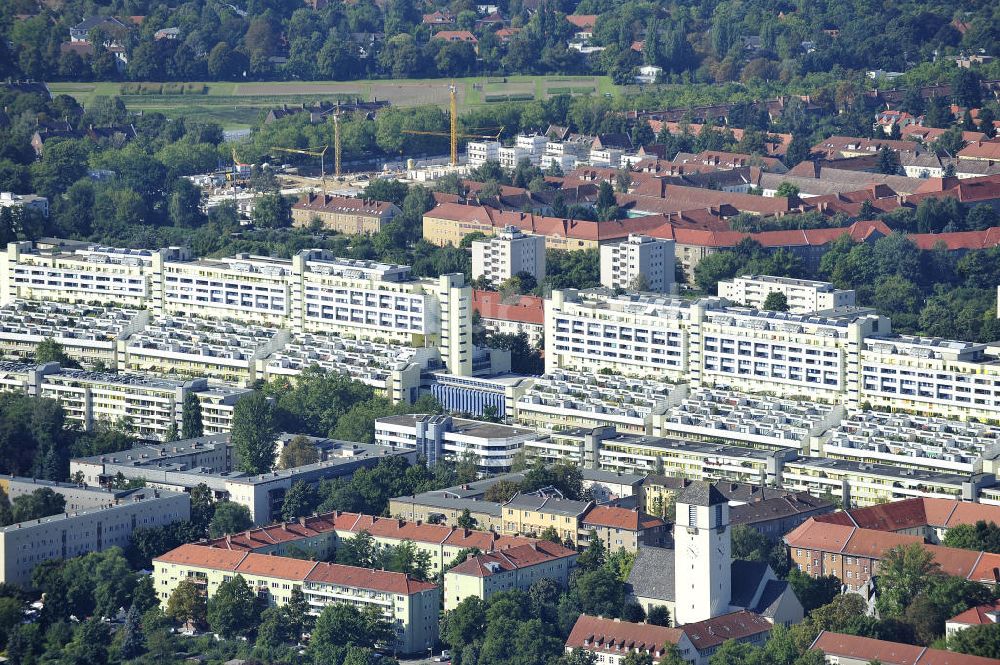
x=237 y=105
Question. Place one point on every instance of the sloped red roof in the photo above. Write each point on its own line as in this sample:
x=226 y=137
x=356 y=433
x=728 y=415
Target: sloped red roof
x=275 y=566
x=621 y=518
x=602 y=635
x=734 y=626
x=523 y=309
x=981 y=150
x=456 y=36
x=868 y=649
x=366 y=578
x=976 y=616
x=512 y=558
x=582 y=21
x=202 y=556
x=958 y=240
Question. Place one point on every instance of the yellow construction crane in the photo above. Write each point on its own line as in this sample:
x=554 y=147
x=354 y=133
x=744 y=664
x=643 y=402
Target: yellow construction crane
x=336 y=145
x=453 y=130
x=312 y=153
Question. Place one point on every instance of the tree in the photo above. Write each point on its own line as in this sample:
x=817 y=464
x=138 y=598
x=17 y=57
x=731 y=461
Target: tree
x=342 y=625
x=51 y=351
x=607 y=204
x=252 y=433
x=977 y=640
x=406 y=558
x=232 y=611
x=191 y=425
x=776 y=301
x=298 y=452
x=888 y=161
x=980 y=536
x=229 y=517
x=43 y=502
x=463 y=625
x=466 y=520
x=187 y=603
x=467 y=467
x=133 y=640
x=90 y=644
x=903 y=573
x=813 y=592
x=300 y=499
x=501 y=491
x=11 y=615
x=788 y=190
x=359 y=550
x=658 y=615
x=272 y=211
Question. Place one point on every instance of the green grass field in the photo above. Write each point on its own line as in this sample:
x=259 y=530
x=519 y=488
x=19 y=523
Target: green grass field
x=238 y=105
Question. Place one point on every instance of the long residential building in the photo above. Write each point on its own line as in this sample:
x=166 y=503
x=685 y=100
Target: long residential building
x=803 y=295
x=411 y=606
x=313 y=292
x=95 y=520
x=211 y=461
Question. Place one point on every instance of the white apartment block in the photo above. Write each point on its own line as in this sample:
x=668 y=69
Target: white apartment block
x=312 y=292
x=436 y=437
x=639 y=263
x=931 y=376
x=508 y=253
x=512 y=156
x=631 y=335
x=804 y=295
x=147 y=405
x=98 y=525
x=480 y=152
x=607 y=157
x=84 y=273
x=27 y=201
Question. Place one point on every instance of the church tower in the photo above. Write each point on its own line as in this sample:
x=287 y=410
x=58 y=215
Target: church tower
x=702 y=554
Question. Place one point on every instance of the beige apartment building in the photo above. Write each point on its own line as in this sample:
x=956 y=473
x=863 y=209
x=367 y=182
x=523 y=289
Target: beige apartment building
x=343 y=214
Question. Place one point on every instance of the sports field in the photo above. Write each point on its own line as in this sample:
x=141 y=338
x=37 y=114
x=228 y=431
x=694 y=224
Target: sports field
x=237 y=105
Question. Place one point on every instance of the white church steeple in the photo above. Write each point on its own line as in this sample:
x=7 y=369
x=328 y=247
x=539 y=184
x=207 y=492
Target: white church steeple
x=703 y=554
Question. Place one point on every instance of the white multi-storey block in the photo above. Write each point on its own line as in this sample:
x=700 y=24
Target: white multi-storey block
x=931 y=376
x=512 y=156
x=781 y=353
x=803 y=295
x=84 y=273
x=632 y=335
x=639 y=263
x=507 y=254
x=480 y=152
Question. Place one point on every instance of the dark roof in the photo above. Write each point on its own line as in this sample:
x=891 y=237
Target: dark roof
x=652 y=574
x=777 y=507
x=768 y=603
x=701 y=493
x=746 y=579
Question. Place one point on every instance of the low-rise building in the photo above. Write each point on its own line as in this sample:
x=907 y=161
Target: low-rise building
x=532 y=514
x=440 y=437
x=343 y=214
x=211 y=460
x=508 y=253
x=517 y=567
x=804 y=296
x=94 y=521
x=981 y=615
x=624 y=528
x=411 y=606
x=842 y=649
x=33 y=202
x=639 y=263
x=480 y=152
x=511 y=315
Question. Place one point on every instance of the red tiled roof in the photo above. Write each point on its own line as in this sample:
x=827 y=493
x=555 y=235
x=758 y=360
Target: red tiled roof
x=202 y=556
x=874 y=544
x=621 y=518
x=913 y=513
x=456 y=36
x=524 y=309
x=366 y=578
x=738 y=625
x=977 y=616
x=584 y=21
x=958 y=240
x=867 y=649
x=275 y=566
x=323 y=203
x=513 y=558
x=981 y=150
x=602 y=635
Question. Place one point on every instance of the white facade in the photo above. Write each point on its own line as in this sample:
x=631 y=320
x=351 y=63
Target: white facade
x=30 y=201
x=508 y=253
x=639 y=263
x=510 y=157
x=480 y=152
x=804 y=295
x=703 y=565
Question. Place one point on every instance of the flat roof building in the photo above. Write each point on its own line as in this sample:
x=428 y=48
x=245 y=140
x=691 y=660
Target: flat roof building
x=804 y=296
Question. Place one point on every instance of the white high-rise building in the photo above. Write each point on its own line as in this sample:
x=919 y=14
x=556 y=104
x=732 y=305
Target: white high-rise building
x=804 y=295
x=639 y=263
x=508 y=253
x=480 y=152
x=703 y=554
